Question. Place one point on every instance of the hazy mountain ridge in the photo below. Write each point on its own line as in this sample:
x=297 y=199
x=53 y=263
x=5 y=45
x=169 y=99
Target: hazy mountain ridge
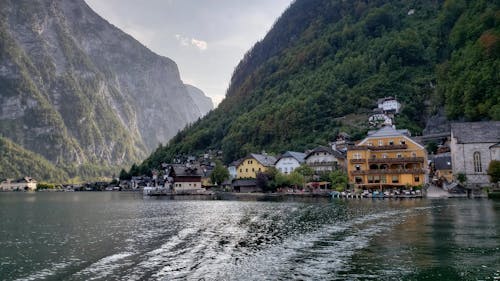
x=324 y=64
x=77 y=90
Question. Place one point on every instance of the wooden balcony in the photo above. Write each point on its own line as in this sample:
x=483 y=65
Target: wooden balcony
x=388 y=147
x=396 y=160
x=358 y=161
x=388 y=172
x=323 y=163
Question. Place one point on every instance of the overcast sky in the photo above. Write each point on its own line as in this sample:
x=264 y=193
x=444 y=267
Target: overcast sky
x=206 y=38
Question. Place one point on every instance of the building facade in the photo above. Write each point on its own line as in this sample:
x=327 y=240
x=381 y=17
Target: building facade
x=185 y=177
x=473 y=145
x=24 y=184
x=387 y=158
x=253 y=164
x=324 y=159
x=290 y=161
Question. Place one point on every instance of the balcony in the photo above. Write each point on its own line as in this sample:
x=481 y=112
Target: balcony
x=396 y=160
x=388 y=172
x=388 y=147
x=358 y=161
x=323 y=163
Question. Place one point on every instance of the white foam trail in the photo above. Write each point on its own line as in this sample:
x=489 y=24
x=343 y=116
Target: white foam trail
x=103 y=267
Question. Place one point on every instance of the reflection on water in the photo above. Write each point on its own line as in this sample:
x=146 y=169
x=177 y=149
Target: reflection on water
x=116 y=236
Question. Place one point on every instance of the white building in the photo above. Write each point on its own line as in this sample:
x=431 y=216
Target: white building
x=324 y=159
x=290 y=161
x=389 y=105
x=24 y=184
x=473 y=145
x=232 y=168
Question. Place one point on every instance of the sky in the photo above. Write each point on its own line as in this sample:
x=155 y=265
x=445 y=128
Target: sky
x=206 y=38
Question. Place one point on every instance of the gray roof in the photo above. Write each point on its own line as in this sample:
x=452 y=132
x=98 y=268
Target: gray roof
x=326 y=149
x=264 y=159
x=388 y=131
x=184 y=171
x=442 y=161
x=476 y=132
x=299 y=156
x=245 y=182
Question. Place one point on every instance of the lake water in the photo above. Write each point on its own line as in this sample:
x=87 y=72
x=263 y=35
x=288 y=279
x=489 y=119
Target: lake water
x=121 y=236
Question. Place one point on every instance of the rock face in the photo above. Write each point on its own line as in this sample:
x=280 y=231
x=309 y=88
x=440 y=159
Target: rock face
x=203 y=102
x=76 y=89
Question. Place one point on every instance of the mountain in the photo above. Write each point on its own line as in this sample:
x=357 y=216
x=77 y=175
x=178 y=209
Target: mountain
x=80 y=92
x=324 y=64
x=202 y=102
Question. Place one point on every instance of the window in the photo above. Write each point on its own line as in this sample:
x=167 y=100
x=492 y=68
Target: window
x=376 y=179
x=370 y=179
x=402 y=142
x=384 y=155
x=241 y=170
x=380 y=142
x=391 y=142
x=395 y=179
x=246 y=170
x=417 y=178
x=413 y=154
x=383 y=179
x=370 y=144
x=477 y=162
x=253 y=169
x=358 y=180
x=358 y=167
x=399 y=155
x=357 y=156
x=259 y=169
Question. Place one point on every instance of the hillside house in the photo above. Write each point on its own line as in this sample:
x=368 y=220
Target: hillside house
x=253 y=164
x=290 y=161
x=185 y=177
x=389 y=105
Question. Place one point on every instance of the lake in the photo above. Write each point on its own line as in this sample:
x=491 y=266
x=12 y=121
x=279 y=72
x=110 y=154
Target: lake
x=123 y=236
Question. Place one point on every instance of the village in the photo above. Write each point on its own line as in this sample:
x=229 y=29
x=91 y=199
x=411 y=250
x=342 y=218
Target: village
x=388 y=162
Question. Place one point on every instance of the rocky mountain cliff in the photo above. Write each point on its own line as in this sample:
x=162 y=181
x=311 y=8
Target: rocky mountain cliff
x=325 y=63
x=79 y=91
x=201 y=101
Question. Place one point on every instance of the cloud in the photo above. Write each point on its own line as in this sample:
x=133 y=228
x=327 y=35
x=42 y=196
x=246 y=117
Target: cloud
x=200 y=44
x=186 y=41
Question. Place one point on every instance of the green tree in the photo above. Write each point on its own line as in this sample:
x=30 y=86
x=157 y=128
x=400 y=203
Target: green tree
x=219 y=174
x=462 y=178
x=124 y=175
x=431 y=147
x=339 y=180
x=494 y=171
x=297 y=179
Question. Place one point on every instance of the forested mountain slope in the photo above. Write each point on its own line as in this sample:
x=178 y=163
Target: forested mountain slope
x=324 y=64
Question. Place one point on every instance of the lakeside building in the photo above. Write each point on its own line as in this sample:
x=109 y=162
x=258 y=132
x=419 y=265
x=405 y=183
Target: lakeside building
x=233 y=169
x=324 y=159
x=290 y=161
x=185 y=177
x=253 y=164
x=442 y=167
x=387 y=158
x=24 y=184
x=473 y=146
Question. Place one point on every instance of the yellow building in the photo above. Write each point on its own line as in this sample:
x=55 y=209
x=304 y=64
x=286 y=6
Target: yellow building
x=254 y=163
x=387 y=158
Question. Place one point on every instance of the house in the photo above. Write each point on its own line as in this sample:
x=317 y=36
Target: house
x=233 y=168
x=473 y=145
x=325 y=159
x=387 y=158
x=290 y=161
x=185 y=177
x=245 y=185
x=24 y=184
x=253 y=164
x=442 y=167
x=389 y=105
